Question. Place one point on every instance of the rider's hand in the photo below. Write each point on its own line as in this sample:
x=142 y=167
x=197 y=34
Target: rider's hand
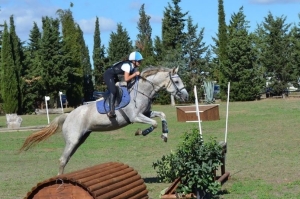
x=137 y=73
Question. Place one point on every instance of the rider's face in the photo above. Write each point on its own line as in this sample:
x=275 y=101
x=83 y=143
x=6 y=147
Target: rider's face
x=137 y=63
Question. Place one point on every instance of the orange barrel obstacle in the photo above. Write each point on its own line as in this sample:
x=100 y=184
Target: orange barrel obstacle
x=109 y=180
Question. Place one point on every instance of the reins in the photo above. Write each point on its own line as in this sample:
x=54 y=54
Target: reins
x=135 y=87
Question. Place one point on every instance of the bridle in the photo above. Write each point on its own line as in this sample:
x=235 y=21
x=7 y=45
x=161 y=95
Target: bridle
x=171 y=82
x=177 y=89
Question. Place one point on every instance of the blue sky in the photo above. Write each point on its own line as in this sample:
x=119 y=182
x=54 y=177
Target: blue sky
x=111 y=12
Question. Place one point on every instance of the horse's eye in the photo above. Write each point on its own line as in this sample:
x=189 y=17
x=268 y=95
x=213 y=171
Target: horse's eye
x=176 y=82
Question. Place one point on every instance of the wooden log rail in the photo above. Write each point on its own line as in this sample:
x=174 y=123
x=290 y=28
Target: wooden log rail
x=105 y=181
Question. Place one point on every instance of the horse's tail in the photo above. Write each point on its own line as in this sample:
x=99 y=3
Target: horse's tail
x=43 y=134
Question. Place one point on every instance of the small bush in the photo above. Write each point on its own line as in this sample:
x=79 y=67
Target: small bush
x=194 y=162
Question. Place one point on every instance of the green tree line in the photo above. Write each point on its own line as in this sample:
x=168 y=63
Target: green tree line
x=56 y=58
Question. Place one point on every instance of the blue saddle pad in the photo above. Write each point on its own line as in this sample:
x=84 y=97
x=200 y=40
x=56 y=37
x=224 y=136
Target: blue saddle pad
x=103 y=106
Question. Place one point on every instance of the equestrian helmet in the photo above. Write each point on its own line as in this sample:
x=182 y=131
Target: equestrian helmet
x=135 y=56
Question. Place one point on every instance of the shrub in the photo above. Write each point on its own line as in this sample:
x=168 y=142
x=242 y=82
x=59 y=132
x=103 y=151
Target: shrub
x=194 y=162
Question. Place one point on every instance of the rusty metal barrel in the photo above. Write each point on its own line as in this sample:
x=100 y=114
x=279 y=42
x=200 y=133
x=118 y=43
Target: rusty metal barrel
x=110 y=180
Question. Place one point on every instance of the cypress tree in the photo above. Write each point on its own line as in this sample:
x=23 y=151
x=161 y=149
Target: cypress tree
x=88 y=86
x=9 y=83
x=222 y=33
x=221 y=49
x=98 y=58
x=144 y=41
x=18 y=57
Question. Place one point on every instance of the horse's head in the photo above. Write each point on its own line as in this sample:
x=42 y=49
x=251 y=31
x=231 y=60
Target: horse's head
x=161 y=77
x=175 y=86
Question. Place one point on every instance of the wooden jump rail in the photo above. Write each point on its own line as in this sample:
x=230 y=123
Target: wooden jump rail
x=104 y=181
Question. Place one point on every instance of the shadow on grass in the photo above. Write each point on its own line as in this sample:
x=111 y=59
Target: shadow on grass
x=223 y=192
x=151 y=180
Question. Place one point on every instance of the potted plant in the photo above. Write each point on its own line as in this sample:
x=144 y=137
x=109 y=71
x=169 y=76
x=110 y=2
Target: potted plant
x=194 y=163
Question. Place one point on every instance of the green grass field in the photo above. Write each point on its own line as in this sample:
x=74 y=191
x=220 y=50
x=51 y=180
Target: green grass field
x=263 y=151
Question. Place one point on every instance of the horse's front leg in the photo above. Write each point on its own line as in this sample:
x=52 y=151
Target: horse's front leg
x=164 y=123
x=153 y=114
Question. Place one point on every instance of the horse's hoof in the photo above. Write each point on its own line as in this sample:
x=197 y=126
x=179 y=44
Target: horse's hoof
x=164 y=138
x=138 y=132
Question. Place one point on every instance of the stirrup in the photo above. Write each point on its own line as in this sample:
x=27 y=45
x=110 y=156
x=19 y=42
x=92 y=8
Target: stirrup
x=111 y=115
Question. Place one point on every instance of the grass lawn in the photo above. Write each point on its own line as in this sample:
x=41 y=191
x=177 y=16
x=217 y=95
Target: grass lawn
x=263 y=151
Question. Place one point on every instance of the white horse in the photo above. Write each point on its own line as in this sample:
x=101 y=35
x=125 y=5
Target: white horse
x=78 y=124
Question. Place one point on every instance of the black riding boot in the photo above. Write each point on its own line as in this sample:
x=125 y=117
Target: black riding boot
x=112 y=100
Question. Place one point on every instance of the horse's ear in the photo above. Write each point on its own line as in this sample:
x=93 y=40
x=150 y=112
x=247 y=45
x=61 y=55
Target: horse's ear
x=175 y=70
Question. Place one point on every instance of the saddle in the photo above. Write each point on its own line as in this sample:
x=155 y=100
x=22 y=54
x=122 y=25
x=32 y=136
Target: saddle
x=122 y=100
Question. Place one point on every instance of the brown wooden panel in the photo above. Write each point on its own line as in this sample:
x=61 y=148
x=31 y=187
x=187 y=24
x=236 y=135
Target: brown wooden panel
x=207 y=113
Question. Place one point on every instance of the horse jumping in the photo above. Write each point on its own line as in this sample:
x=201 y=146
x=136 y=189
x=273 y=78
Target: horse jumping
x=77 y=125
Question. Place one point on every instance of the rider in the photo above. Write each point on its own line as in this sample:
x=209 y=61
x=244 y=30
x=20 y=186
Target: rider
x=125 y=68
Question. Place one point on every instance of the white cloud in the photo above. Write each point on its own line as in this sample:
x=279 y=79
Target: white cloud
x=274 y=1
x=155 y=19
x=24 y=15
x=88 y=26
x=31 y=11
x=136 y=5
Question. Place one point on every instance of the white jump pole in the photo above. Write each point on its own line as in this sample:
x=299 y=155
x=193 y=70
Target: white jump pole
x=62 y=108
x=197 y=110
x=46 y=99
x=227 y=109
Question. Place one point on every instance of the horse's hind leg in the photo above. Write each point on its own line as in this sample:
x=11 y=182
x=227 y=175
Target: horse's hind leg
x=70 y=149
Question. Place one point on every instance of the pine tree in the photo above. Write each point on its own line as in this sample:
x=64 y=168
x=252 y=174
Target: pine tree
x=9 y=80
x=32 y=87
x=241 y=69
x=173 y=25
x=295 y=54
x=54 y=64
x=98 y=58
x=173 y=38
x=194 y=50
x=158 y=49
x=120 y=45
x=144 y=41
x=275 y=52
x=71 y=38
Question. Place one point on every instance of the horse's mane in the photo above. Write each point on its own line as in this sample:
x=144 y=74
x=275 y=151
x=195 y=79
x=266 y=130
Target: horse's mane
x=151 y=70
